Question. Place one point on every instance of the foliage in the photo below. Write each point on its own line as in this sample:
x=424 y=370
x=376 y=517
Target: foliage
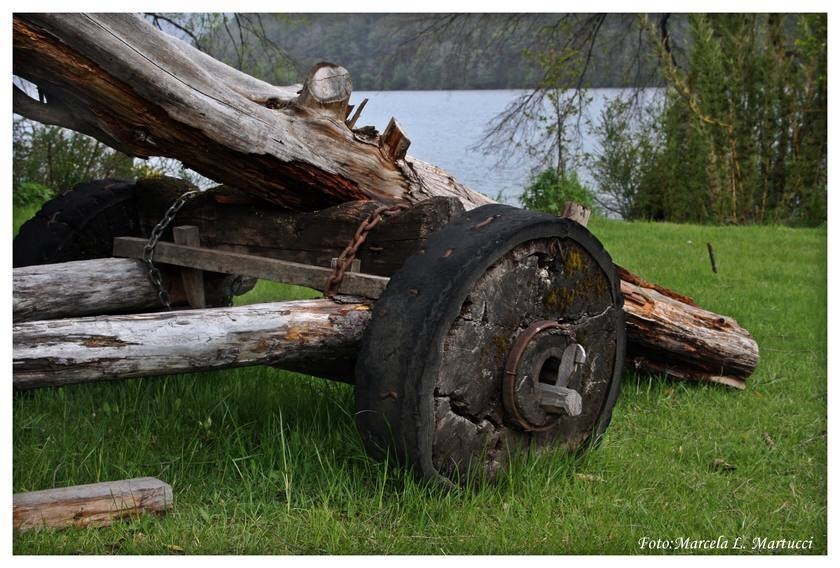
x=31 y=193
x=741 y=137
x=408 y=51
x=627 y=135
x=550 y=190
x=48 y=159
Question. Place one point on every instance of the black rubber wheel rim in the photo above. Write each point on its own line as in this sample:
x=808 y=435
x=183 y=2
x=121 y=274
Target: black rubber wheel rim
x=79 y=224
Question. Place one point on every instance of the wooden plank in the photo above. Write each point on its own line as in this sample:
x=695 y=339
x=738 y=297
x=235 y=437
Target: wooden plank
x=92 y=505
x=353 y=284
x=318 y=337
x=192 y=279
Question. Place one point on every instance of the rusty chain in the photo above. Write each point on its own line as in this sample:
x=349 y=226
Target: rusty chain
x=345 y=259
x=151 y=244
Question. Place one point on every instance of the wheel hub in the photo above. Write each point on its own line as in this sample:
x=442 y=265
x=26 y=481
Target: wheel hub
x=540 y=381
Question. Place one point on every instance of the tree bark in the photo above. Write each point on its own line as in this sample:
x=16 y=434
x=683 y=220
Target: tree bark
x=93 y=505
x=115 y=77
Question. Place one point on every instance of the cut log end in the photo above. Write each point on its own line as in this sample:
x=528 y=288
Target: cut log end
x=327 y=89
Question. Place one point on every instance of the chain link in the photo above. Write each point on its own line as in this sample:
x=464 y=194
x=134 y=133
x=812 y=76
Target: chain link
x=345 y=259
x=149 y=249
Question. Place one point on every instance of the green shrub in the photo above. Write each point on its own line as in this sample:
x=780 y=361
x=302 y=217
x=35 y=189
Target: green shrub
x=549 y=191
x=30 y=193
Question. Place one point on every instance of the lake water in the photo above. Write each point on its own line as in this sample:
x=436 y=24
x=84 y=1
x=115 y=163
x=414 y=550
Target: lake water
x=444 y=127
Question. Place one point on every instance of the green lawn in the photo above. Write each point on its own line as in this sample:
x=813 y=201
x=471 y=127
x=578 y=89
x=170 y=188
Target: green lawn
x=263 y=461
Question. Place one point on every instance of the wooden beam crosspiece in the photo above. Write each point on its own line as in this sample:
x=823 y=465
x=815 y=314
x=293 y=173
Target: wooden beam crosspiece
x=353 y=284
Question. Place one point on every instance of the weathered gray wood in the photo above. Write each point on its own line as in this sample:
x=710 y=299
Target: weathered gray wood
x=315 y=336
x=351 y=122
x=149 y=94
x=327 y=89
x=106 y=286
x=667 y=332
x=354 y=284
x=93 y=505
x=109 y=286
x=84 y=287
x=192 y=279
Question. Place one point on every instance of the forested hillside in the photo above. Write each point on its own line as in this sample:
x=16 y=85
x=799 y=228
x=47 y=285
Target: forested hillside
x=427 y=51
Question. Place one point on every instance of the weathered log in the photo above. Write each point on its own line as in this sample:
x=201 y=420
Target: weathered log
x=315 y=336
x=106 y=286
x=92 y=505
x=115 y=77
x=668 y=333
x=327 y=89
x=85 y=287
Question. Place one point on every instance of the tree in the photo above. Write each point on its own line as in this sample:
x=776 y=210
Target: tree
x=743 y=128
x=48 y=159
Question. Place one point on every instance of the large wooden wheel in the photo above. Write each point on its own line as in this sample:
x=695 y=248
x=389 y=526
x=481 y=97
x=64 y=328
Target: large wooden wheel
x=506 y=332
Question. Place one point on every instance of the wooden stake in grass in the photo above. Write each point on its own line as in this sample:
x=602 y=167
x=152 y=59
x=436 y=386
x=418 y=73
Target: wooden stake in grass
x=712 y=257
x=93 y=505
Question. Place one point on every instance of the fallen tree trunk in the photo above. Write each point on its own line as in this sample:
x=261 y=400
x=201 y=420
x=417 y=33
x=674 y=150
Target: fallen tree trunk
x=145 y=93
x=314 y=336
x=668 y=333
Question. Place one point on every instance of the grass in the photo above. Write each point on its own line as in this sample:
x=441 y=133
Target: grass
x=264 y=461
